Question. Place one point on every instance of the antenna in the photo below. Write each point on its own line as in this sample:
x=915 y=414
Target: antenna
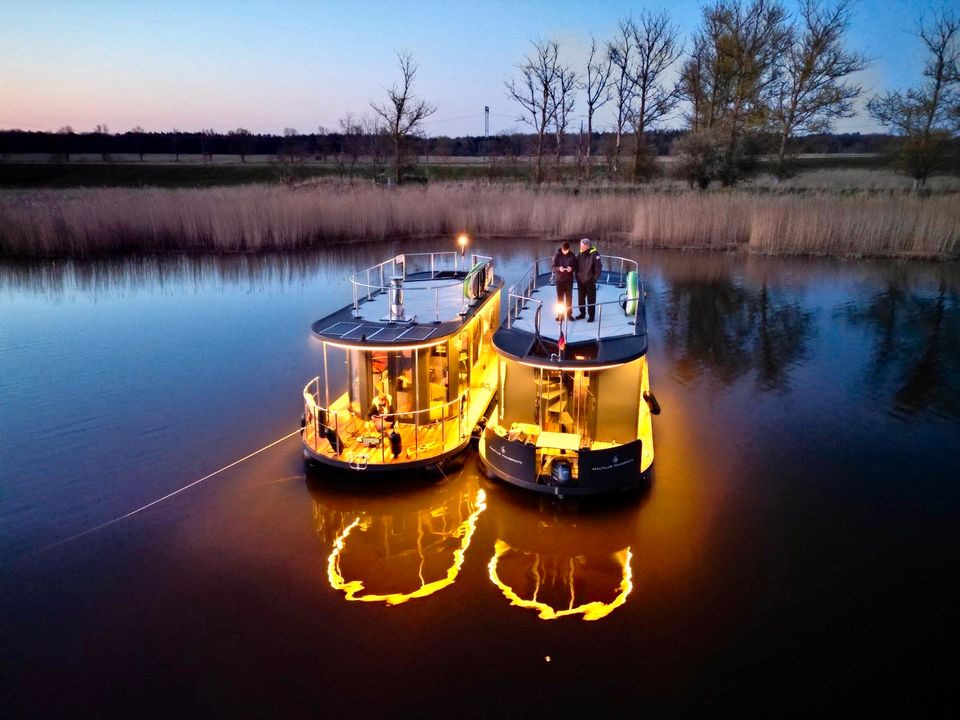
x=486 y=121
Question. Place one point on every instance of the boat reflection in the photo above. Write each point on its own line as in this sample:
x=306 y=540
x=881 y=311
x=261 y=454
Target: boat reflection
x=392 y=547
x=559 y=560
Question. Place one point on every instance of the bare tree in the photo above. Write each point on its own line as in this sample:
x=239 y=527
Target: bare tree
x=374 y=137
x=656 y=50
x=102 y=130
x=563 y=96
x=66 y=134
x=620 y=52
x=175 y=144
x=351 y=144
x=733 y=72
x=403 y=114
x=597 y=87
x=928 y=116
x=811 y=90
x=539 y=75
x=138 y=132
x=241 y=138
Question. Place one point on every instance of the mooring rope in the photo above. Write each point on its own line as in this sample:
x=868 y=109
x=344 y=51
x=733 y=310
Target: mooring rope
x=169 y=495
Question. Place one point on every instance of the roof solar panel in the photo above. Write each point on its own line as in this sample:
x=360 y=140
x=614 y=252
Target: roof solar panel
x=417 y=332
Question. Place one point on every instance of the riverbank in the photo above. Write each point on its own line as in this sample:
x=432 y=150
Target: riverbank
x=879 y=222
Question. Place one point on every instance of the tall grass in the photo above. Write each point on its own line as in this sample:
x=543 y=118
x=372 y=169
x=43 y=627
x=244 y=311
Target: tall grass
x=88 y=222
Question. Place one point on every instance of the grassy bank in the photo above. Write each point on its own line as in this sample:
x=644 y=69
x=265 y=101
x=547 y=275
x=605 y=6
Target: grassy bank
x=90 y=171
x=90 y=222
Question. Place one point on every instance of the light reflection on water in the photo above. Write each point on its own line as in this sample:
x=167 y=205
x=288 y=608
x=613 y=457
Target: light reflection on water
x=803 y=504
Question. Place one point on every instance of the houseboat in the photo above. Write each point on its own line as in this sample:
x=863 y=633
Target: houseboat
x=574 y=410
x=408 y=367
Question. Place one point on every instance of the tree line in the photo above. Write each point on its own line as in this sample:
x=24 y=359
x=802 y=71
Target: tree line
x=753 y=80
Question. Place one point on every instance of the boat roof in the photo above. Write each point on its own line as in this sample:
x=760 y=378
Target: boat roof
x=530 y=332
x=434 y=300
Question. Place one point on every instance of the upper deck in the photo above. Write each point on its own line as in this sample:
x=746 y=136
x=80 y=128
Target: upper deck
x=439 y=293
x=530 y=333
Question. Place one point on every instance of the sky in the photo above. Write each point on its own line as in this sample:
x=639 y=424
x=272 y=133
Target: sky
x=266 y=65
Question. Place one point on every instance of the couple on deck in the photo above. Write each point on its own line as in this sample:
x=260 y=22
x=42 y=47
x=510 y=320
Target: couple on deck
x=586 y=268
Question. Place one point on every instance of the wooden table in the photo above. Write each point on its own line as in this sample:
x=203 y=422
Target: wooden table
x=559 y=441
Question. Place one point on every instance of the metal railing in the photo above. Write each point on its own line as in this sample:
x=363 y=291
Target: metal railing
x=372 y=281
x=449 y=418
x=614 y=272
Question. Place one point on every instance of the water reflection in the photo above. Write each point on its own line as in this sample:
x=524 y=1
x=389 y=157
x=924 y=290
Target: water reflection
x=916 y=345
x=718 y=325
x=561 y=561
x=393 y=547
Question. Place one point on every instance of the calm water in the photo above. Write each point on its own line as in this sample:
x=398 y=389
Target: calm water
x=795 y=550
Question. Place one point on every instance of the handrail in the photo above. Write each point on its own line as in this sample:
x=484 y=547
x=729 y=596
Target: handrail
x=361 y=281
x=529 y=282
x=447 y=414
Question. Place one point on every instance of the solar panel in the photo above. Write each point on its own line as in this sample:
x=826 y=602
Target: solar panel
x=417 y=332
x=340 y=329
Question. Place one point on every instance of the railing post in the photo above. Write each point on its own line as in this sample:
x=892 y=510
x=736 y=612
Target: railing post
x=436 y=303
x=599 y=320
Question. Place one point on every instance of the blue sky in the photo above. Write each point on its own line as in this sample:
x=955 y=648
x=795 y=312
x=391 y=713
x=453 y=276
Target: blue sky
x=266 y=65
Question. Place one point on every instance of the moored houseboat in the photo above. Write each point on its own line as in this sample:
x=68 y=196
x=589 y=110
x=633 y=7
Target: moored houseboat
x=574 y=408
x=408 y=367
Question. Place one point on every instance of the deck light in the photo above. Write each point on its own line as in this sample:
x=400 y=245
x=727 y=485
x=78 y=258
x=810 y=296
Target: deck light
x=462 y=242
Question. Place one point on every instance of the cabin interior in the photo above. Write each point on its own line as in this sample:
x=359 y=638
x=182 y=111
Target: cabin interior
x=435 y=394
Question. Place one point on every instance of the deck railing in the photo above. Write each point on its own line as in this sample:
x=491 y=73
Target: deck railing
x=372 y=281
x=449 y=418
x=539 y=275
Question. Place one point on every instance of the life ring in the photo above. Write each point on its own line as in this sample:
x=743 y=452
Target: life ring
x=633 y=293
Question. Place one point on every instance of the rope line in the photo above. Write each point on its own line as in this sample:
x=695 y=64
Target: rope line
x=168 y=495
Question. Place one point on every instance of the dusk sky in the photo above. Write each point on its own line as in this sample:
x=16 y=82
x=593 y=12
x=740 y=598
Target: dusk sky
x=270 y=65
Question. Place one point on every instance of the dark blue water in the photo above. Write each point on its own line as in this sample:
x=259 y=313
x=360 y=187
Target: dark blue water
x=796 y=550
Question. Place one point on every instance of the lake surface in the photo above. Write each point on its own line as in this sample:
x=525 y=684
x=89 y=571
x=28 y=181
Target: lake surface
x=794 y=552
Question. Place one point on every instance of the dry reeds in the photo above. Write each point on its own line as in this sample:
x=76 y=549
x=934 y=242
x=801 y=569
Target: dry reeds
x=79 y=223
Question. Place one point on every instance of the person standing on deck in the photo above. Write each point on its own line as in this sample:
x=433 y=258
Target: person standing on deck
x=588 y=273
x=564 y=268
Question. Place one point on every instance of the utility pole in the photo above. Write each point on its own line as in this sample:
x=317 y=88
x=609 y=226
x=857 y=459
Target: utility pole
x=486 y=130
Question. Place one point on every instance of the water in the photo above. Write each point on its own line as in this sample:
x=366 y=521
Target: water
x=796 y=546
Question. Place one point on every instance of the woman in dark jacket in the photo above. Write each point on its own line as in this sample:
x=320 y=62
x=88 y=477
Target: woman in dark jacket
x=564 y=269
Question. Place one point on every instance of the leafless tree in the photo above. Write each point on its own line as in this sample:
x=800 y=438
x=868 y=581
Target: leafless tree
x=928 y=116
x=597 y=87
x=563 y=96
x=620 y=52
x=102 y=130
x=734 y=66
x=403 y=114
x=374 y=137
x=66 y=134
x=656 y=50
x=241 y=138
x=138 y=132
x=811 y=90
x=539 y=74
x=351 y=145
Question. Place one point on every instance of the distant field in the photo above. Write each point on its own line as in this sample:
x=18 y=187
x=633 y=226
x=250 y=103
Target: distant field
x=43 y=171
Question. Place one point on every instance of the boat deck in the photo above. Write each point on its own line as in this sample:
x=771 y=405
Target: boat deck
x=425 y=297
x=611 y=320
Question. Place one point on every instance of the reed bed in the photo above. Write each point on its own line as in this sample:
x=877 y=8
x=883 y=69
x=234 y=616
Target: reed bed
x=257 y=218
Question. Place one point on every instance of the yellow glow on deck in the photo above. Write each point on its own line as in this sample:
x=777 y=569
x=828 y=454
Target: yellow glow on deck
x=590 y=611
x=353 y=589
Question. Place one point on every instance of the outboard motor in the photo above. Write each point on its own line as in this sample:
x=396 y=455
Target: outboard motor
x=396 y=298
x=561 y=471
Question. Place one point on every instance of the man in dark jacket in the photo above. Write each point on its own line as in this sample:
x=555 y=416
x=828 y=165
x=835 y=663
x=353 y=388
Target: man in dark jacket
x=588 y=273
x=564 y=269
